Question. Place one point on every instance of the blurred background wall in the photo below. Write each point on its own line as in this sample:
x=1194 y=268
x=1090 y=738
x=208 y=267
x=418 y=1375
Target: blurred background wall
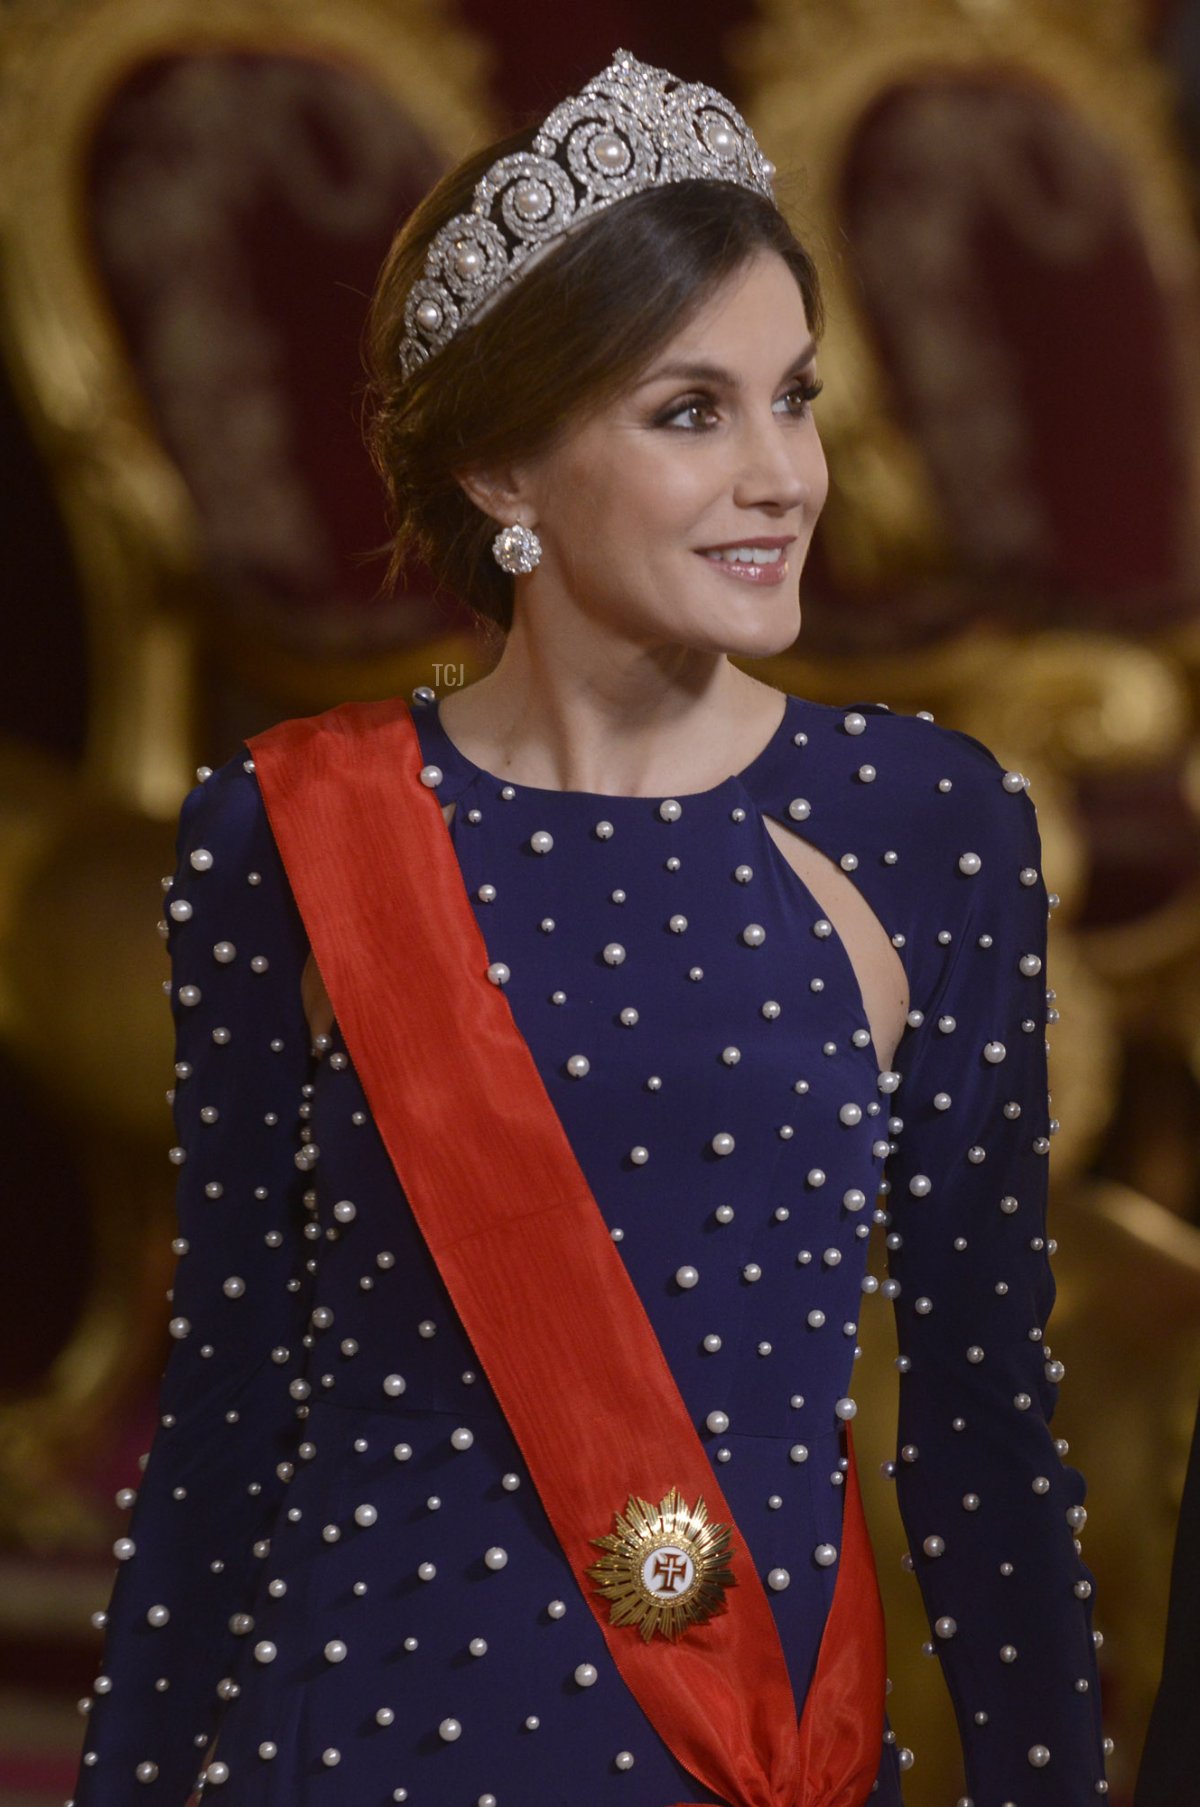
x=195 y=197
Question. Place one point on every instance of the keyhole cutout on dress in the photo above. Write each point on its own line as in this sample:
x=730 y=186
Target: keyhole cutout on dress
x=317 y=1008
x=877 y=966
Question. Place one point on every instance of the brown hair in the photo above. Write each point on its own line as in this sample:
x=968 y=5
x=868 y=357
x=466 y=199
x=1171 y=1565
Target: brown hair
x=568 y=336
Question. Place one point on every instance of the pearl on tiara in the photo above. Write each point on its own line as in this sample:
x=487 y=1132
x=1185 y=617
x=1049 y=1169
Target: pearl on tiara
x=631 y=128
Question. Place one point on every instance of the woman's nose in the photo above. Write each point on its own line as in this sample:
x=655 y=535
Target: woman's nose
x=779 y=466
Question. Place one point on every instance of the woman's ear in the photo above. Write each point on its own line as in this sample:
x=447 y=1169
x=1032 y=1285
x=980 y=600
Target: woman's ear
x=500 y=495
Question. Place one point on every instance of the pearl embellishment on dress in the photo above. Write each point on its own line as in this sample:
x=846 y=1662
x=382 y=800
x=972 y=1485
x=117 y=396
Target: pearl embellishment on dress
x=724 y=1090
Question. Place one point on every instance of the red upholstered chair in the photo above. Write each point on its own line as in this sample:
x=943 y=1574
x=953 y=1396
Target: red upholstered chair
x=1012 y=271
x=1035 y=346
x=202 y=198
x=197 y=196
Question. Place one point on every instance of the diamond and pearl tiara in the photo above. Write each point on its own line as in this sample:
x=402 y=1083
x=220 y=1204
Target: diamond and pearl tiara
x=631 y=128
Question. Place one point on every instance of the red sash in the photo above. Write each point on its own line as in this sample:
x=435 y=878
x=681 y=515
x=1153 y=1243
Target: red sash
x=519 y=1240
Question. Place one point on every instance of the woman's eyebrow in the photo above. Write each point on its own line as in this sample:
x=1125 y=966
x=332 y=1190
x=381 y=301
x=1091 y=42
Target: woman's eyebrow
x=716 y=374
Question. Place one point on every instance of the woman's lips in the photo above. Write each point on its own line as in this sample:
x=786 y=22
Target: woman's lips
x=746 y=573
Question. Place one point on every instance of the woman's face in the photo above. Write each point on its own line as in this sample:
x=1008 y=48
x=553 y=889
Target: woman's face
x=713 y=447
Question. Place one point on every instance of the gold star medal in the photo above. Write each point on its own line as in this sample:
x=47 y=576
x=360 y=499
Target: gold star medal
x=665 y=1567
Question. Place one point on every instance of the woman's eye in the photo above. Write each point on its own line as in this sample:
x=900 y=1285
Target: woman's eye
x=800 y=395
x=695 y=415
x=699 y=414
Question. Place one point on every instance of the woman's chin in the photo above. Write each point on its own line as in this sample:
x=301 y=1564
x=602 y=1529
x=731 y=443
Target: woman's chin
x=770 y=629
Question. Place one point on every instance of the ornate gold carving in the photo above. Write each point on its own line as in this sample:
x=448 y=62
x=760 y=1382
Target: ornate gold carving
x=76 y=868
x=130 y=516
x=812 y=71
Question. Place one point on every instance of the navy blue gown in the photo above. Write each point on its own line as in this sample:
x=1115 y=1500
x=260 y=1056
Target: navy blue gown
x=338 y=1583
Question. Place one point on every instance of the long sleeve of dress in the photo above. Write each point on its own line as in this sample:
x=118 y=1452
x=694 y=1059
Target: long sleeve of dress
x=220 y=1458
x=989 y=1504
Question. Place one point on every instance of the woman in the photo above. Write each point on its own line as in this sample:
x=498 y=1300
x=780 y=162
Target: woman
x=763 y=960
